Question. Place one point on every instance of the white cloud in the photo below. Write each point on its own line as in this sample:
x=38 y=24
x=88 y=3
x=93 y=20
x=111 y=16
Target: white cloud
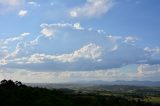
x=95 y=52
x=143 y=72
x=90 y=51
x=152 y=51
x=25 y=34
x=49 y=30
x=130 y=39
x=61 y=76
x=9 y=55
x=92 y=8
x=114 y=48
x=22 y=13
x=16 y=52
x=6 y=53
x=33 y=42
x=34 y=4
x=114 y=40
x=147 y=70
x=101 y=31
x=12 y=39
x=3 y=62
x=67 y=76
x=27 y=76
x=78 y=26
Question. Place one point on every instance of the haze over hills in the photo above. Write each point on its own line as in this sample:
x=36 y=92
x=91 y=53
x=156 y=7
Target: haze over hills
x=97 y=83
x=121 y=82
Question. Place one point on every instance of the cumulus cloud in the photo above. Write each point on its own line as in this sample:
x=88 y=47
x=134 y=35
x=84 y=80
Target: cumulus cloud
x=13 y=54
x=22 y=13
x=92 y=8
x=48 y=31
x=74 y=48
x=5 y=53
x=90 y=51
x=89 y=57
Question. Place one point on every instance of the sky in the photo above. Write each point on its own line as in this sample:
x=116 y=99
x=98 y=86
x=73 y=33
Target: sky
x=57 y=41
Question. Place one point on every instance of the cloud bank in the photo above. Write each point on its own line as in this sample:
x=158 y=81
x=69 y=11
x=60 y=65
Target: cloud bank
x=101 y=53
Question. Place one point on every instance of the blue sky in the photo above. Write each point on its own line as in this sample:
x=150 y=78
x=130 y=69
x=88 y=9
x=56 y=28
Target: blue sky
x=64 y=41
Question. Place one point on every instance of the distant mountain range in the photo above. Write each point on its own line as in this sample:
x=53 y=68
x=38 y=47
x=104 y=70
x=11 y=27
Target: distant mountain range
x=121 y=82
x=79 y=84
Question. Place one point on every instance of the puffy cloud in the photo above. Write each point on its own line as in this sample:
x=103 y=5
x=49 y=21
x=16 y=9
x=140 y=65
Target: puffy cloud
x=89 y=57
x=13 y=54
x=90 y=51
x=92 y=8
x=48 y=31
x=5 y=53
x=22 y=13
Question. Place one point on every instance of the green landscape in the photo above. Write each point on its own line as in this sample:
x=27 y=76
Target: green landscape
x=17 y=94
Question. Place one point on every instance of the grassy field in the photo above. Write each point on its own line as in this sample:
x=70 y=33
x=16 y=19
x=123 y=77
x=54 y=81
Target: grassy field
x=153 y=99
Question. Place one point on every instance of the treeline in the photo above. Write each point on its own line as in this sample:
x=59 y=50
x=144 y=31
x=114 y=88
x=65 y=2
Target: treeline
x=18 y=94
